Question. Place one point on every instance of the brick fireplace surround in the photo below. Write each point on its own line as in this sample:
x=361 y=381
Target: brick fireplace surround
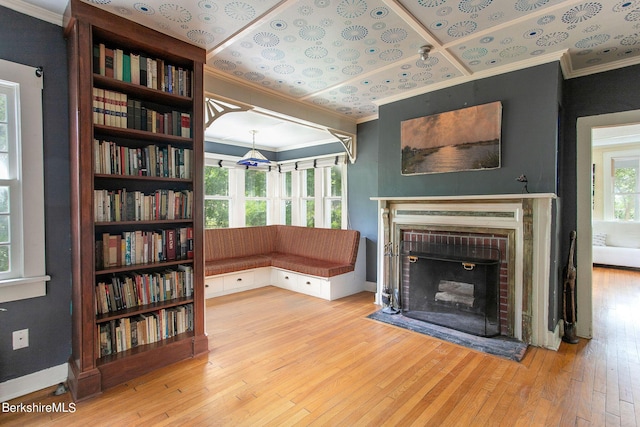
x=472 y=240
x=521 y=223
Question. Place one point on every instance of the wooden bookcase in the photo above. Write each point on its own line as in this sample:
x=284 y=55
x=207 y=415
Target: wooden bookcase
x=98 y=361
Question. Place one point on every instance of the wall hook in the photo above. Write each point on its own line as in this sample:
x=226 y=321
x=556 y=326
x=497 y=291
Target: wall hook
x=523 y=178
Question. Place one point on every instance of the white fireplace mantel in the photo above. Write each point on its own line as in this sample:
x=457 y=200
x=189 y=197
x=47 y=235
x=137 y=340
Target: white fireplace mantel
x=529 y=215
x=469 y=197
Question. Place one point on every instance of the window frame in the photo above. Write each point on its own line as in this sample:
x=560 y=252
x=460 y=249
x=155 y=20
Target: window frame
x=329 y=198
x=243 y=198
x=13 y=182
x=609 y=181
x=31 y=282
x=210 y=162
x=276 y=194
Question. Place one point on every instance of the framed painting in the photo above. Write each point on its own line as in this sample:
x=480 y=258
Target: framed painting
x=460 y=140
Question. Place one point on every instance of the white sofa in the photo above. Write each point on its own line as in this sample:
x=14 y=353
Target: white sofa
x=616 y=243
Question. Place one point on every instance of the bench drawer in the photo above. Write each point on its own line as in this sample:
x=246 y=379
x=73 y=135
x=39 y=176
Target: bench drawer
x=313 y=286
x=284 y=279
x=239 y=280
x=213 y=286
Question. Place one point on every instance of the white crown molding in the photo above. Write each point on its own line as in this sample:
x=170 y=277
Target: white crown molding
x=570 y=73
x=520 y=65
x=368 y=118
x=33 y=11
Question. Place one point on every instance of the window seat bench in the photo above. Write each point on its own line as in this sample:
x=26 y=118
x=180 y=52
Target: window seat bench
x=321 y=262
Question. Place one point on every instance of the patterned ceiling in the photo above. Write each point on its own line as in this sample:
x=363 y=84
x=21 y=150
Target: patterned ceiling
x=349 y=56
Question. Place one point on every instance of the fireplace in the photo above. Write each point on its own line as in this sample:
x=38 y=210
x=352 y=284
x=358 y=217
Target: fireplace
x=510 y=233
x=452 y=285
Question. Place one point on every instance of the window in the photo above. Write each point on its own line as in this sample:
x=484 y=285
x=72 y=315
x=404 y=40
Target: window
x=308 y=180
x=309 y=193
x=286 y=200
x=21 y=194
x=9 y=183
x=318 y=191
x=255 y=194
x=622 y=180
x=626 y=188
x=216 y=197
x=333 y=199
x=234 y=196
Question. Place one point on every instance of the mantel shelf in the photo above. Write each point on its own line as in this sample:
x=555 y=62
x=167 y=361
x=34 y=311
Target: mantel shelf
x=478 y=197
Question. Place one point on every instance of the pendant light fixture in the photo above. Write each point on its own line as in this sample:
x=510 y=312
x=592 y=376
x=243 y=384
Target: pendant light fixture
x=253 y=156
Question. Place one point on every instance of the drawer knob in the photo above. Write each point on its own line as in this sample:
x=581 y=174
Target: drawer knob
x=308 y=283
x=239 y=279
x=286 y=277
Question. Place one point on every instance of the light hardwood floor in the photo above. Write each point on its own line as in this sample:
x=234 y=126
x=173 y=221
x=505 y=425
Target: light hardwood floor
x=279 y=358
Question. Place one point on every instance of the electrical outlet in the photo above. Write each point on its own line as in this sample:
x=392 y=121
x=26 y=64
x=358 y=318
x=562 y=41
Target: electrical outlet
x=20 y=339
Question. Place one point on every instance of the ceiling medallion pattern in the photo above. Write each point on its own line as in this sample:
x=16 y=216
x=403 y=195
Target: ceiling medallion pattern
x=313 y=49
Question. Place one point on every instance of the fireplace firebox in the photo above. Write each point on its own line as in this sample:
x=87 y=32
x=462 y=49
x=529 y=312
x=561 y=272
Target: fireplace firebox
x=456 y=286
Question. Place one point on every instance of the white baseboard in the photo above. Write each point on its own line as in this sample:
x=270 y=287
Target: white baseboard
x=553 y=339
x=370 y=286
x=33 y=382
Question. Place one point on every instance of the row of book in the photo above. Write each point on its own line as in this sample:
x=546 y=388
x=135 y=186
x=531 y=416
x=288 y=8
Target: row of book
x=143 y=247
x=111 y=108
x=152 y=160
x=129 y=332
x=137 y=289
x=123 y=205
x=140 y=69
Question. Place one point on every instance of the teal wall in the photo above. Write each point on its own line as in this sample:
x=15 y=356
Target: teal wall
x=35 y=43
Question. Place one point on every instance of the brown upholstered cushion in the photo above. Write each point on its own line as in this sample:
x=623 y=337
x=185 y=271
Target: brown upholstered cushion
x=224 y=243
x=338 y=246
x=230 y=265
x=311 y=266
x=315 y=251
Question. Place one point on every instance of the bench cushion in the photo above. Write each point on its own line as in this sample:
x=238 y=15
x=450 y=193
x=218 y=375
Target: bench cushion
x=310 y=266
x=337 y=246
x=225 y=243
x=229 y=265
x=314 y=251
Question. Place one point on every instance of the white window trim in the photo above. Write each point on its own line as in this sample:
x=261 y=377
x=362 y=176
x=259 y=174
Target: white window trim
x=32 y=282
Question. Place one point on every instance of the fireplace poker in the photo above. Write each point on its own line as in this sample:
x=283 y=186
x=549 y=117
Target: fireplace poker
x=388 y=296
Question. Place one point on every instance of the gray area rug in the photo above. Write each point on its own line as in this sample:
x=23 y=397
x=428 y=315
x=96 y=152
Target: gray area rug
x=506 y=347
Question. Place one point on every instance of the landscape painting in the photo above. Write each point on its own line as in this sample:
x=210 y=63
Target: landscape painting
x=460 y=140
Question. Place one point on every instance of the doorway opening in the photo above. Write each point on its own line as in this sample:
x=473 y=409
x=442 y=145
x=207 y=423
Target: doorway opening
x=584 y=202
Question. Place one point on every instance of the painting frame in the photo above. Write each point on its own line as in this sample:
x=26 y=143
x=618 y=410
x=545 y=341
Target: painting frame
x=467 y=139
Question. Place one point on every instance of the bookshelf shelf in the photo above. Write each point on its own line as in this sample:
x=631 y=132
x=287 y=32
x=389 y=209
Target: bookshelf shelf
x=118 y=224
x=158 y=179
x=142 y=135
x=137 y=230
x=103 y=318
x=143 y=267
x=141 y=350
x=142 y=92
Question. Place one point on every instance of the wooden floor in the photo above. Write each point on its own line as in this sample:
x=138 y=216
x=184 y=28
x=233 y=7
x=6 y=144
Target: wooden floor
x=279 y=358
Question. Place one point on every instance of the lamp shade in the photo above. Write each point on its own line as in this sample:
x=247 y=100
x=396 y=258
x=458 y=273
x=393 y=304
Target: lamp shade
x=253 y=157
